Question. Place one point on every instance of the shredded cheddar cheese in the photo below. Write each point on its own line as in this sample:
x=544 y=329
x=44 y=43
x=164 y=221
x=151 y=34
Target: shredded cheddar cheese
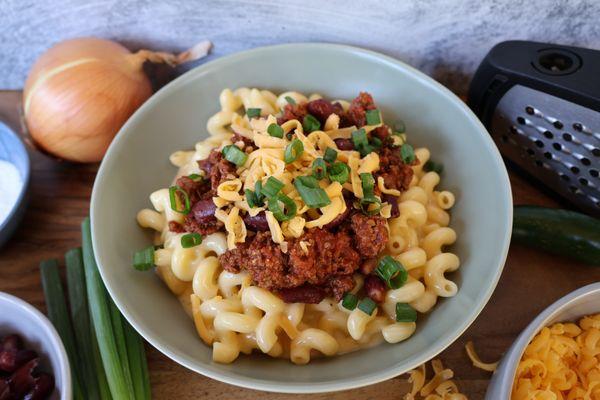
x=439 y=387
x=477 y=363
x=561 y=362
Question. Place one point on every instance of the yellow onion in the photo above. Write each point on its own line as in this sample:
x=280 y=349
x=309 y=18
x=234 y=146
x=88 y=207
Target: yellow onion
x=81 y=91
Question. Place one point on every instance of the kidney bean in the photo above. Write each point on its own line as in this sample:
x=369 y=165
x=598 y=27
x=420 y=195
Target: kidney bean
x=344 y=144
x=42 y=388
x=204 y=211
x=393 y=201
x=375 y=288
x=302 y=294
x=320 y=109
x=11 y=342
x=368 y=266
x=8 y=360
x=21 y=381
x=258 y=223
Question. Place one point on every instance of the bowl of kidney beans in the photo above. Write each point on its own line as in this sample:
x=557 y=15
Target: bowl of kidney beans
x=20 y=377
x=33 y=361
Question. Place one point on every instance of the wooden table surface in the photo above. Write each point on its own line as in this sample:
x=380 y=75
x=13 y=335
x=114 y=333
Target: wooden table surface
x=59 y=200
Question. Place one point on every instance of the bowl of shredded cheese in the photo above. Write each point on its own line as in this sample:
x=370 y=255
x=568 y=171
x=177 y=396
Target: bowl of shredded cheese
x=557 y=356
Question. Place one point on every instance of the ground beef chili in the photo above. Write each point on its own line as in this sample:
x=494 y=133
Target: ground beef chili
x=356 y=114
x=396 y=174
x=370 y=234
x=217 y=169
x=319 y=263
x=293 y=111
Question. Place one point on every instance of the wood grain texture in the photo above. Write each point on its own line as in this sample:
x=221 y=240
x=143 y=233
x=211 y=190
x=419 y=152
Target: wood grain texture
x=444 y=38
x=59 y=200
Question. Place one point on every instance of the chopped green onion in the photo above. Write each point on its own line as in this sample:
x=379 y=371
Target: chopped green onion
x=293 y=151
x=338 y=172
x=392 y=272
x=367 y=306
x=272 y=187
x=310 y=123
x=433 y=166
x=233 y=154
x=373 y=117
x=407 y=153
x=253 y=112
x=258 y=191
x=81 y=324
x=405 y=313
x=190 y=240
x=376 y=142
x=310 y=191
x=359 y=138
x=319 y=168
x=368 y=184
x=194 y=177
x=349 y=301
x=175 y=194
x=330 y=155
x=290 y=100
x=278 y=213
x=143 y=260
x=275 y=131
x=58 y=314
x=399 y=128
x=252 y=198
x=366 y=205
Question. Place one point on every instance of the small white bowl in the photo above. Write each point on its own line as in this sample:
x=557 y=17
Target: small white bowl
x=19 y=317
x=581 y=302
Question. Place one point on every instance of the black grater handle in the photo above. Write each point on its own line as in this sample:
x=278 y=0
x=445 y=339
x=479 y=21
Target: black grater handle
x=563 y=71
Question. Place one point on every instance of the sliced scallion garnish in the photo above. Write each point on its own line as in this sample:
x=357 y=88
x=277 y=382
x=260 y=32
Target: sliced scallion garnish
x=293 y=151
x=399 y=127
x=373 y=117
x=319 y=168
x=310 y=123
x=368 y=184
x=359 y=138
x=391 y=272
x=272 y=187
x=330 y=155
x=194 y=177
x=338 y=172
x=278 y=212
x=190 y=240
x=176 y=193
x=290 y=100
x=349 y=301
x=433 y=166
x=143 y=260
x=407 y=153
x=367 y=305
x=253 y=112
x=405 y=313
x=233 y=154
x=275 y=131
x=310 y=191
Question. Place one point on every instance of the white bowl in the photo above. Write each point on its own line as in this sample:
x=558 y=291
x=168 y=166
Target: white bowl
x=136 y=164
x=21 y=318
x=581 y=302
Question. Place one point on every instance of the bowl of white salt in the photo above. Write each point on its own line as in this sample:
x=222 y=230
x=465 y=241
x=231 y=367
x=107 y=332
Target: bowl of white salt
x=14 y=181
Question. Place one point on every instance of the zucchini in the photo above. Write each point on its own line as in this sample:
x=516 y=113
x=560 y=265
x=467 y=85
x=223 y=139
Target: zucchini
x=563 y=232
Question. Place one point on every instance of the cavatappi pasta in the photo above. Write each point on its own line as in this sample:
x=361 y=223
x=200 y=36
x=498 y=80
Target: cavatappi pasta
x=234 y=314
x=561 y=362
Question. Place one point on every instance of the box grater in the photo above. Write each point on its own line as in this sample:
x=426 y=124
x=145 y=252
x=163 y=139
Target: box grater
x=541 y=104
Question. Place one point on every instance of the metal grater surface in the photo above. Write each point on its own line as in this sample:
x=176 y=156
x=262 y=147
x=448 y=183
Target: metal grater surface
x=553 y=139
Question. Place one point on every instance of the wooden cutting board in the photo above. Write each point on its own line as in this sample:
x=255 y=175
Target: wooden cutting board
x=59 y=200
